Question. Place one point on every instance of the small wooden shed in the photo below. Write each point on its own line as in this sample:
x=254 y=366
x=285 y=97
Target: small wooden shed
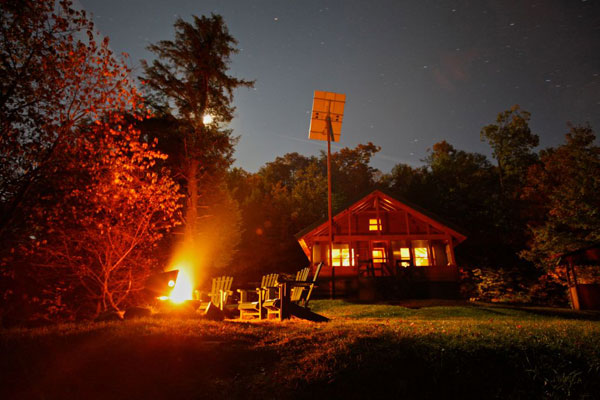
x=584 y=296
x=380 y=236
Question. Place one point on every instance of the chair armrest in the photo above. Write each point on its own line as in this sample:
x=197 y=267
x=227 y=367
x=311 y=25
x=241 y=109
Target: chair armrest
x=200 y=295
x=301 y=284
x=243 y=295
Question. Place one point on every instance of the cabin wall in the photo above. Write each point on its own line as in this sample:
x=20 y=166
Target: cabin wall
x=397 y=252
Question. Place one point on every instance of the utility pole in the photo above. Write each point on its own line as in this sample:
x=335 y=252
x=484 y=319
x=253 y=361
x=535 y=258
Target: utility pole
x=329 y=211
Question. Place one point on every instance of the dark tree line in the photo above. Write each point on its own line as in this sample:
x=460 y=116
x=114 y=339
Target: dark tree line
x=519 y=209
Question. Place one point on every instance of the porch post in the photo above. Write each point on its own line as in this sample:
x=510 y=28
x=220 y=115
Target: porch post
x=451 y=252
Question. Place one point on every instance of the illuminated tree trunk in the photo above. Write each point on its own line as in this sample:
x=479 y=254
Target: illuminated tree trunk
x=191 y=215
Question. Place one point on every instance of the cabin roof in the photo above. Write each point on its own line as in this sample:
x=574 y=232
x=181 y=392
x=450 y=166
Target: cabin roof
x=382 y=193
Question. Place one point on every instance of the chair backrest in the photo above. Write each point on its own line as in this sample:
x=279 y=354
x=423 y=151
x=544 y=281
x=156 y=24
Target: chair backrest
x=302 y=275
x=312 y=286
x=296 y=292
x=268 y=284
x=222 y=284
x=269 y=280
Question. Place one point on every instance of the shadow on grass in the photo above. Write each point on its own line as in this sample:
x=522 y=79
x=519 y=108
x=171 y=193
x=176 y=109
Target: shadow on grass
x=182 y=359
x=129 y=362
x=413 y=368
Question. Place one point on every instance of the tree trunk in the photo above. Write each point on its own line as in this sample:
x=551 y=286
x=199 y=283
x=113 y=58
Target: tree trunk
x=501 y=176
x=191 y=215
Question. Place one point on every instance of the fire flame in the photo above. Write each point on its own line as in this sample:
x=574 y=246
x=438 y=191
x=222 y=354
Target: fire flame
x=186 y=259
x=183 y=289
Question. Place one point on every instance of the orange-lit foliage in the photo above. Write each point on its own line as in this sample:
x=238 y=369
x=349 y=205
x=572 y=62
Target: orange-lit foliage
x=112 y=211
x=83 y=199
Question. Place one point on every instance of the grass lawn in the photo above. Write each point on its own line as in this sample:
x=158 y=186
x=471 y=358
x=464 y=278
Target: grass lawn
x=411 y=350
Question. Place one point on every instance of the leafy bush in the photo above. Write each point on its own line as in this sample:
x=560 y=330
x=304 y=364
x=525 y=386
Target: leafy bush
x=499 y=286
x=514 y=286
x=551 y=289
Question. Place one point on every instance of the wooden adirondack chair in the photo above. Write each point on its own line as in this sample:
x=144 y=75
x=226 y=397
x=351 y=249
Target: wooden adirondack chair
x=304 y=300
x=291 y=296
x=273 y=303
x=297 y=291
x=221 y=289
x=219 y=292
x=266 y=291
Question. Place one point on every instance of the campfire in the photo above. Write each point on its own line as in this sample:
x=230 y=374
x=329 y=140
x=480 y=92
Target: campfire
x=182 y=288
x=174 y=286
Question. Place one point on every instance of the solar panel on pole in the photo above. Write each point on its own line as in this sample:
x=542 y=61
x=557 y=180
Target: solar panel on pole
x=327 y=104
x=326 y=124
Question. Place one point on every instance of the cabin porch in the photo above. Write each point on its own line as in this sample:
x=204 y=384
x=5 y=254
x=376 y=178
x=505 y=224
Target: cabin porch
x=387 y=256
x=387 y=288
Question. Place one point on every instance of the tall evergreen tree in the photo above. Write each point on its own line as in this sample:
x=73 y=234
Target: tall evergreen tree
x=186 y=83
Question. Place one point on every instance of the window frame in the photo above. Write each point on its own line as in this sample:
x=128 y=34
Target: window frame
x=375 y=225
x=343 y=260
x=379 y=260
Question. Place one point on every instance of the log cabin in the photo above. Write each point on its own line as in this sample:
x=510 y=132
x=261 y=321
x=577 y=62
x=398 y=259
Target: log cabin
x=384 y=247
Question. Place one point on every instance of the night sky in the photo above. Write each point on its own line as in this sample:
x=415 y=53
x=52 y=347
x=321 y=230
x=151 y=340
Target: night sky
x=414 y=72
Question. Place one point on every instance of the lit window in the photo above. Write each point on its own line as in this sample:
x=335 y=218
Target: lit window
x=405 y=253
x=405 y=256
x=421 y=256
x=342 y=255
x=379 y=255
x=375 y=224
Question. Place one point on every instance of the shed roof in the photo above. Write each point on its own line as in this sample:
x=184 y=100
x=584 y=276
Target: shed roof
x=586 y=256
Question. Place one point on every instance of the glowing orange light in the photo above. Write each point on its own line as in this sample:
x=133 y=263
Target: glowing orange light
x=163 y=298
x=342 y=256
x=375 y=224
x=171 y=283
x=183 y=288
x=421 y=256
x=186 y=259
x=379 y=255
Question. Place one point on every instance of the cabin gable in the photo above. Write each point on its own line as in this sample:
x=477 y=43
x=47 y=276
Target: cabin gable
x=382 y=236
